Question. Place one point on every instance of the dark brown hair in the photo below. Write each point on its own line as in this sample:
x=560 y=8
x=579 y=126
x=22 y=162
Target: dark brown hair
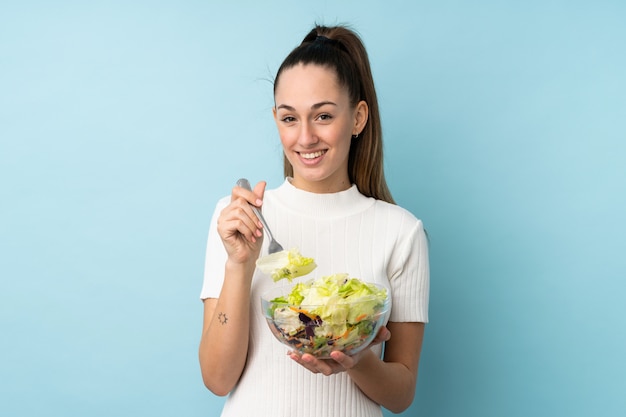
x=342 y=50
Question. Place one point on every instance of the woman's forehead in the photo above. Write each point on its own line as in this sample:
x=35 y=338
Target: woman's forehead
x=309 y=83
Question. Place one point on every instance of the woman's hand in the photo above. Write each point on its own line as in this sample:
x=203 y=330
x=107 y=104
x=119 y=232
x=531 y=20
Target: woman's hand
x=340 y=362
x=238 y=226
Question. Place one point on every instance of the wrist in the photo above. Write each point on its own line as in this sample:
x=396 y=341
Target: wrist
x=365 y=362
x=236 y=268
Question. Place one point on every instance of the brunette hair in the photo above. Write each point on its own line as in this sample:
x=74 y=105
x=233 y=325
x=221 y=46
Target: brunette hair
x=342 y=50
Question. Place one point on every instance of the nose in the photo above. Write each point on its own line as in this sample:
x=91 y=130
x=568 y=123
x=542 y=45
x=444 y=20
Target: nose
x=308 y=136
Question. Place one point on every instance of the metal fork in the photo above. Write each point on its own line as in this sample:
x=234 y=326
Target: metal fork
x=274 y=245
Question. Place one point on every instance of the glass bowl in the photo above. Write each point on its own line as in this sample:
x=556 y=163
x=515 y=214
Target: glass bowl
x=319 y=329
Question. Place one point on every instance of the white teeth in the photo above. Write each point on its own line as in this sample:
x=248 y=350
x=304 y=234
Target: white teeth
x=312 y=155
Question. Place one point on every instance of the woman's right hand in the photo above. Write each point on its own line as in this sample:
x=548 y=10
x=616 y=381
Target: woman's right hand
x=238 y=226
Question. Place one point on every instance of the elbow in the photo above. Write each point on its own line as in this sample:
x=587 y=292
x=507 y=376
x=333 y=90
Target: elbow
x=216 y=387
x=219 y=377
x=219 y=391
x=402 y=404
x=399 y=408
x=215 y=379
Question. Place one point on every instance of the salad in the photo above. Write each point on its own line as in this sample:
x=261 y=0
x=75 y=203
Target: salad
x=334 y=312
x=286 y=264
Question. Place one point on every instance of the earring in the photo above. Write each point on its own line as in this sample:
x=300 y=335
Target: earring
x=355 y=136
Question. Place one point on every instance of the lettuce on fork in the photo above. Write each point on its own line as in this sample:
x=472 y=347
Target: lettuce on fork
x=286 y=264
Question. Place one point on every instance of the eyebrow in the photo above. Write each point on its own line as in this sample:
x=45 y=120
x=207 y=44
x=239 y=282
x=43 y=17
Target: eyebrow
x=313 y=107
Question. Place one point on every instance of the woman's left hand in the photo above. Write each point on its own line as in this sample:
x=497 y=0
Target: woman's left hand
x=340 y=362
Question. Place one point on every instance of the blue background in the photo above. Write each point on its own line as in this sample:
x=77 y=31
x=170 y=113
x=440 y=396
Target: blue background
x=122 y=123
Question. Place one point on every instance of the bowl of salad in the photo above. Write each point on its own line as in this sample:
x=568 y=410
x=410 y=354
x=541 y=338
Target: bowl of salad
x=331 y=313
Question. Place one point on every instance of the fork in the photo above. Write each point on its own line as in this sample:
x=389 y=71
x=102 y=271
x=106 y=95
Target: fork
x=274 y=245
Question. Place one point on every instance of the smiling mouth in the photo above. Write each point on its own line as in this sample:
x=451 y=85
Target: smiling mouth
x=312 y=155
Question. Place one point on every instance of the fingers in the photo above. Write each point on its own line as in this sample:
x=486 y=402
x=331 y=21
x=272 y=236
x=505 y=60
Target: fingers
x=344 y=360
x=254 y=197
x=259 y=190
x=382 y=336
x=239 y=217
x=238 y=226
x=339 y=361
x=317 y=366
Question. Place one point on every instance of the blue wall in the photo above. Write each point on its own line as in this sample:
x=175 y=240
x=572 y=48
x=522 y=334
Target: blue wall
x=121 y=123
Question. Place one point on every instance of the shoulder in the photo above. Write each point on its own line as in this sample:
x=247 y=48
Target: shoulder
x=397 y=213
x=408 y=231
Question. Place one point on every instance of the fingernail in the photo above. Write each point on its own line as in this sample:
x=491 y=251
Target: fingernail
x=259 y=202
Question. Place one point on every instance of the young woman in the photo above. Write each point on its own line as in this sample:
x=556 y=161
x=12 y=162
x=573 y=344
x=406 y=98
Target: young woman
x=334 y=206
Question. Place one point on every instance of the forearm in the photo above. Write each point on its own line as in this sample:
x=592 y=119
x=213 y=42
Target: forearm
x=224 y=342
x=390 y=384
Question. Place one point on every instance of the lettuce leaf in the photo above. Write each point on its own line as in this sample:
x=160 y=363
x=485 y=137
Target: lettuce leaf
x=338 y=299
x=286 y=264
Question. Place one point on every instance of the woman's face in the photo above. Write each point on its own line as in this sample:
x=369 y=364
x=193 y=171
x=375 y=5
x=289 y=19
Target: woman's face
x=316 y=122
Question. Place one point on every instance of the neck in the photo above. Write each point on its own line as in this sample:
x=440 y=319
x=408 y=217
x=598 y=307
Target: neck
x=321 y=187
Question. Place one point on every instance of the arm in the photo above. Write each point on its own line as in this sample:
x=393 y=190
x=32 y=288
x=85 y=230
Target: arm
x=392 y=381
x=224 y=342
x=389 y=382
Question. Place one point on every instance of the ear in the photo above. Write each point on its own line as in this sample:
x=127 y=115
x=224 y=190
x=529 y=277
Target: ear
x=361 y=114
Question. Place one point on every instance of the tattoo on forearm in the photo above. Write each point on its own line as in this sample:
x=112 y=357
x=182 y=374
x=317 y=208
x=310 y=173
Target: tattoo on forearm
x=222 y=318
